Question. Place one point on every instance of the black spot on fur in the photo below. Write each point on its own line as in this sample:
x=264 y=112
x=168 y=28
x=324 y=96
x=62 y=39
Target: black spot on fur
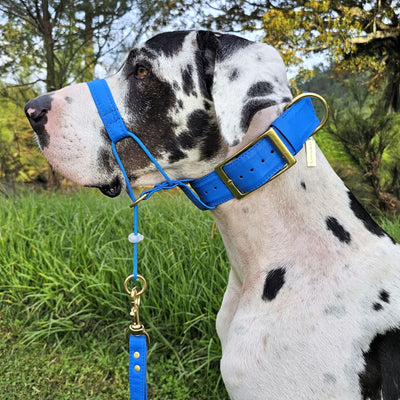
x=273 y=283
x=251 y=108
x=377 y=306
x=180 y=103
x=286 y=100
x=68 y=99
x=384 y=296
x=187 y=79
x=167 y=43
x=106 y=159
x=382 y=368
x=303 y=185
x=175 y=85
x=148 y=53
x=207 y=105
x=234 y=74
x=201 y=129
x=369 y=223
x=205 y=60
x=338 y=230
x=149 y=103
x=176 y=155
x=260 y=89
x=230 y=44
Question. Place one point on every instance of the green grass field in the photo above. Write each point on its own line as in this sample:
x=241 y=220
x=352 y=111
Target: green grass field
x=63 y=309
x=63 y=261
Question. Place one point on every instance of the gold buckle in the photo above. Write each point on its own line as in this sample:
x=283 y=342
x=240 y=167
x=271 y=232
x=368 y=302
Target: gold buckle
x=280 y=146
x=315 y=96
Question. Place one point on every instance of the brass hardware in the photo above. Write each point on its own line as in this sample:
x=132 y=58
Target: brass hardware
x=138 y=200
x=136 y=328
x=136 y=354
x=280 y=146
x=315 y=96
x=129 y=278
x=137 y=368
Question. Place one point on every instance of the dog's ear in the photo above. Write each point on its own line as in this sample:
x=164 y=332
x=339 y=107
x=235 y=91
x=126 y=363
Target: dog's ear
x=241 y=77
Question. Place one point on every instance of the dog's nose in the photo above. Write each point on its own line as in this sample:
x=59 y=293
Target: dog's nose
x=37 y=109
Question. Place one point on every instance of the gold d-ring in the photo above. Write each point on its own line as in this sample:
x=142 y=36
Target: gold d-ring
x=130 y=277
x=316 y=96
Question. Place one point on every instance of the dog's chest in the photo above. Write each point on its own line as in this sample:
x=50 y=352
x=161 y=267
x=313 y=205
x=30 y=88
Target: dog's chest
x=310 y=335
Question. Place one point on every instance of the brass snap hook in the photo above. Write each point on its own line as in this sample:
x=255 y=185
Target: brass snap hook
x=319 y=98
x=136 y=328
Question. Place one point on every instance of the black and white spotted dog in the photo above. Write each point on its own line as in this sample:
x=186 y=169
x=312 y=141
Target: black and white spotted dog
x=312 y=307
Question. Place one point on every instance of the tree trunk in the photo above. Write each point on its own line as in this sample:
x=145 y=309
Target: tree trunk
x=47 y=31
x=88 y=40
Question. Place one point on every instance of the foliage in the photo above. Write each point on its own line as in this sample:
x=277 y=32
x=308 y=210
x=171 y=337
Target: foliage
x=56 y=41
x=358 y=36
x=20 y=158
x=361 y=139
x=367 y=133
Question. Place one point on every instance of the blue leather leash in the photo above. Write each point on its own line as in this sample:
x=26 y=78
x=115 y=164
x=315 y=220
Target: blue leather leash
x=262 y=160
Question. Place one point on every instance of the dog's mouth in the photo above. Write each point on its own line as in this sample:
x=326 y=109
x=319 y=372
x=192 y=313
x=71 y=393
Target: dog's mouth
x=112 y=189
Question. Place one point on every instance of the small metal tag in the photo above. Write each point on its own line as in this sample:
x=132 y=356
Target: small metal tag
x=311 y=152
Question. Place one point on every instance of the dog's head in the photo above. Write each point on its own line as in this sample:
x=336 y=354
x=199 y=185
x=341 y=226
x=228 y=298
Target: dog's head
x=187 y=95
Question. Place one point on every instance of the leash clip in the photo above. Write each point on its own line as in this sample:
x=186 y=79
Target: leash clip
x=136 y=328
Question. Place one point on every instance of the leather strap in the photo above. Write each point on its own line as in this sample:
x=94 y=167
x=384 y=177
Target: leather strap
x=258 y=164
x=137 y=367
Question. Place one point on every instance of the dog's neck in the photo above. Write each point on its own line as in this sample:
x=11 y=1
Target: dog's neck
x=281 y=221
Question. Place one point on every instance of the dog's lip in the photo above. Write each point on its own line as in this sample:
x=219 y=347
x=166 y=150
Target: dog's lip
x=112 y=189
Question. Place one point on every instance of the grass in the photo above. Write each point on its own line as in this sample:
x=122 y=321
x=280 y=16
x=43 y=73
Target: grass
x=63 y=309
x=63 y=261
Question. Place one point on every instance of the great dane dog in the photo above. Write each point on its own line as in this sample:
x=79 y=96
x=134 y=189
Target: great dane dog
x=312 y=306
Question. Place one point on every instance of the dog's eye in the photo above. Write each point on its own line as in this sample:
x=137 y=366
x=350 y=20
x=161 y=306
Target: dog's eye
x=141 y=72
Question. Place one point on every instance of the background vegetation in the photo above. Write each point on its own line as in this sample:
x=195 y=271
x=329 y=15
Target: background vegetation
x=62 y=310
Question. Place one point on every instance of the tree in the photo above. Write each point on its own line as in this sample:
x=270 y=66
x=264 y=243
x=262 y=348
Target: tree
x=357 y=35
x=48 y=44
x=370 y=136
x=56 y=41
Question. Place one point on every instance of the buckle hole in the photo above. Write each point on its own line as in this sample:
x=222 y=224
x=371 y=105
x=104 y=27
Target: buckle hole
x=272 y=151
x=241 y=176
x=251 y=169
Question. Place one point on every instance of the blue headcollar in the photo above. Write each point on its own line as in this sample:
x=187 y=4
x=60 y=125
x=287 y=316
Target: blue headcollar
x=261 y=161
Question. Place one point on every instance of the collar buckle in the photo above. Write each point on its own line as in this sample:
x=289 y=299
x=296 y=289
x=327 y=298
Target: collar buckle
x=280 y=146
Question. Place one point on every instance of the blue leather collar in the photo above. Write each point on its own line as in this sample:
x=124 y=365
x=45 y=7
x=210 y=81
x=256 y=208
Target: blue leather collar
x=264 y=159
